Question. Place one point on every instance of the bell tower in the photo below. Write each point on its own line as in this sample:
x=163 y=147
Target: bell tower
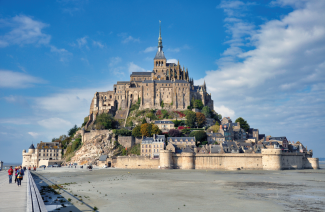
x=159 y=66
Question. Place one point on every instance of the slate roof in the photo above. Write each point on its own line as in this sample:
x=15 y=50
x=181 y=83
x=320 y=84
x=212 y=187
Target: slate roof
x=160 y=55
x=164 y=122
x=103 y=158
x=32 y=146
x=217 y=135
x=141 y=74
x=147 y=140
x=164 y=81
x=188 y=149
x=215 y=149
x=183 y=138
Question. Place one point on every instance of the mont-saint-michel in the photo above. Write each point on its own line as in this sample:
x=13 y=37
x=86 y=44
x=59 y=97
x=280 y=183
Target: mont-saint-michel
x=161 y=120
x=217 y=107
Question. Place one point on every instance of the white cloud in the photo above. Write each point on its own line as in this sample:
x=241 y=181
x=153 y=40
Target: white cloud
x=33 y=134
x=135 y=68
x=127 y=39
x=99 y=44
x=54 y=123
x=54 y=49
x=172 y=61
x=277 y=85
x=224 y=111
x=82 y=41
x=24 y=30
x=113 y=61
x=11 y=79
x=174 y=50
x=150 y=49
x=130 y=38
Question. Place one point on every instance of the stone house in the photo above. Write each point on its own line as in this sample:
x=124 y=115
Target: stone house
x=45 y=153
x=151 y=146
x=182 y=141
x=215 y=137
x=165 y=126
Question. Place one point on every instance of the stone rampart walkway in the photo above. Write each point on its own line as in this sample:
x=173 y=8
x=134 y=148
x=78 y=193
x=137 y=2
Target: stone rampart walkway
x=12 y=197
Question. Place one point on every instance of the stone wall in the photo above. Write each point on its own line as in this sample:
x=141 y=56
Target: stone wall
x=90 y=135
x=271 y=159
x=126 y=141
x=228 y=161
x=136 y=162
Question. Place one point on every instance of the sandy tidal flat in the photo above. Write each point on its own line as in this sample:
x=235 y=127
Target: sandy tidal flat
x=192 y=190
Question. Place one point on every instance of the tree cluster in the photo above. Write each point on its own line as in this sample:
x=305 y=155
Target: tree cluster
x=193 y=117
x=146 y=129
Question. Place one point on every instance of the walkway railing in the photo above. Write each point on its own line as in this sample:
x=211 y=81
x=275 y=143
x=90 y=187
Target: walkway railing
x=35 y=202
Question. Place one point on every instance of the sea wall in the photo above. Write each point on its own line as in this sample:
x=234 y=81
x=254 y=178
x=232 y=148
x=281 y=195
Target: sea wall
x=136 y=162
x=270 y=159
x=228 y=161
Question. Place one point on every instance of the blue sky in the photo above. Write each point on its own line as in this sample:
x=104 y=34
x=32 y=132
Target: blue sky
x=261 y=60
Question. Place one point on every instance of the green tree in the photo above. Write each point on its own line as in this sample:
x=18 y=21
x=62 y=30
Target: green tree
x=186 y=131
x=155 y=130
x=104 y=121
x=178 y=123
x=145 y=131
x=206 y=111
x=213 y=128
x=162 y=104
x=86 y=119
x=144 y=121
x=190 y=119
x=243 y=123
x=199 y=135
x=200 y=119
x=136 y=132
x=73 y=130
x=122 y=132
x=198 y=104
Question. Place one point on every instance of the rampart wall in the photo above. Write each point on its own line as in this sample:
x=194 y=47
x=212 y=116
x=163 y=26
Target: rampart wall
x=136 y=162
x=269 y=159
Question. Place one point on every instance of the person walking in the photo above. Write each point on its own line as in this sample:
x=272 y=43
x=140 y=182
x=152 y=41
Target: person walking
x=10 y=172
x=16 y=168
x=20 y=174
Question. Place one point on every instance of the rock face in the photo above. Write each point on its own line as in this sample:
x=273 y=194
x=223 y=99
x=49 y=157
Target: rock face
x=95 y=144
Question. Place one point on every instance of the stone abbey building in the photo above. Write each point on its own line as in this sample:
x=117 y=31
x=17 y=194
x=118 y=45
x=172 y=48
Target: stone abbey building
x=167 y=82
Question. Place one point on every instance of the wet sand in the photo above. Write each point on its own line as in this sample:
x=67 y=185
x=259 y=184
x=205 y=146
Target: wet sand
x=191 y=190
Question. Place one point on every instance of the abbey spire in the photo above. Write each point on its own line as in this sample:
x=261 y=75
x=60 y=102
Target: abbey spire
x=160 y=53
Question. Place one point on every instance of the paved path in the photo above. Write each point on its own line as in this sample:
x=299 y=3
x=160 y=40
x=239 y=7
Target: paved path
x=12 y=197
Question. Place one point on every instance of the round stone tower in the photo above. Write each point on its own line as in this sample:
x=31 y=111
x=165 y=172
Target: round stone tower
x=31 y=149
x=187 y=160
x=271 y=159
x=166 y=161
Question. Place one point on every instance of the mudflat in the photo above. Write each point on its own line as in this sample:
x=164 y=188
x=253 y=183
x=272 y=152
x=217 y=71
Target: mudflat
x=190 y=190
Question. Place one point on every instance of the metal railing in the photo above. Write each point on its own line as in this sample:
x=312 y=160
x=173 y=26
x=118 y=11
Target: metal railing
x=35 y=202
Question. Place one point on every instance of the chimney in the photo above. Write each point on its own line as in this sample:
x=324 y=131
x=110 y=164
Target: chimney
x=220 y=127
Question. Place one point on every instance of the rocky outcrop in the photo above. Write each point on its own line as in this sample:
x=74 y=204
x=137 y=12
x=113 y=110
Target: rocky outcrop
x=95 y=144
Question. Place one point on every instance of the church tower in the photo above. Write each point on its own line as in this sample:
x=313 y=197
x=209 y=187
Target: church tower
x=160 y=69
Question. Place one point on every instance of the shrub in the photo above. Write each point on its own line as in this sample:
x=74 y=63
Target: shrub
x=199 y=135
x=190 y=119
x=174 y=133
x=104 y=121
x=200 y=119
x=72 y=131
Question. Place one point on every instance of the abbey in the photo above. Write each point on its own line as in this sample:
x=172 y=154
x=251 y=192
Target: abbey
x=167 y=83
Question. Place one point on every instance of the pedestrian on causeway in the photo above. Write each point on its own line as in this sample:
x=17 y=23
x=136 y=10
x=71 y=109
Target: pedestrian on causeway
x=10 y=173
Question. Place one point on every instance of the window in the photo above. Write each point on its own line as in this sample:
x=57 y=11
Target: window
x=146 y=146
x=142 y=150
x=157 y=150
x=147 y=94
x=154 y=150
x=146 y=150
x=149 y=146
x=149 y=150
